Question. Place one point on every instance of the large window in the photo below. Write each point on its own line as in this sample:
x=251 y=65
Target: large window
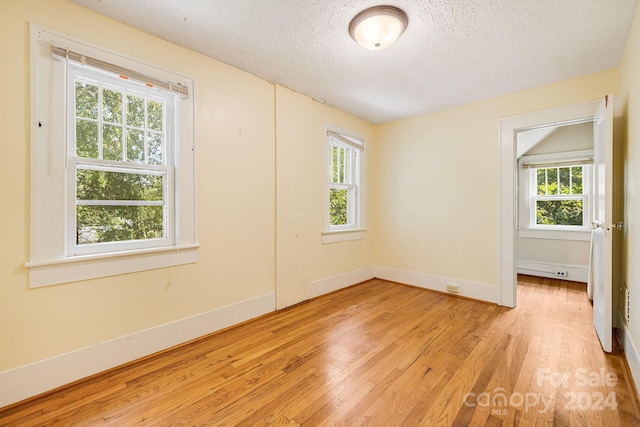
x=343 y=184
x=555 y=191
x=112 y=163
x=121 y=144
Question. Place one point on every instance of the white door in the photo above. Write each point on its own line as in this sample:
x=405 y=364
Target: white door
x=602 y=225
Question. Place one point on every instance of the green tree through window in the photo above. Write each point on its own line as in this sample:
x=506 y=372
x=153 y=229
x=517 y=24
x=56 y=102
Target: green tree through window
x=120 y=153
x=338 y=207
x=559 y=199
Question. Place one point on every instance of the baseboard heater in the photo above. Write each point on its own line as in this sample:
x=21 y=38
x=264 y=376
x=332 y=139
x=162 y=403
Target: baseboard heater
x=556 y=271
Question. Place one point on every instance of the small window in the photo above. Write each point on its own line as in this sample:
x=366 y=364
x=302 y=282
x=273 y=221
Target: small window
x=554 y=191
x=343 y=181
x=343 y=187
x=559 y=198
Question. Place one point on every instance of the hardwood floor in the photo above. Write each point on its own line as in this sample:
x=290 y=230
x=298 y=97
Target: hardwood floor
x=378 y=354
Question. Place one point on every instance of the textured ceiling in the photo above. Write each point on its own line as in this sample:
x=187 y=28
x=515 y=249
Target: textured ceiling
x=452 y=53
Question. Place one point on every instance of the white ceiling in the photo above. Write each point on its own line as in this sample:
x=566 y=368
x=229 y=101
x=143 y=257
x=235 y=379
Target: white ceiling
x=452 y=53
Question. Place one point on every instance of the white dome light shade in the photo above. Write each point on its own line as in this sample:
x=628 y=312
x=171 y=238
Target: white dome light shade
x=378 y=27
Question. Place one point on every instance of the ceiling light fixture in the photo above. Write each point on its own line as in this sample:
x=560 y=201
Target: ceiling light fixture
x=378 y=27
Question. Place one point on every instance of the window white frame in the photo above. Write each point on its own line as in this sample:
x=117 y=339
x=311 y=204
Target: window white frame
x=527 y=186
x=166 y=169
x=52 y=259
x=353 y=146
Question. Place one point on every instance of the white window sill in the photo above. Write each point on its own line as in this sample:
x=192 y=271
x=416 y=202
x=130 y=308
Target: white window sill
x=86 y=267
x=537 y=233
x=343 y=235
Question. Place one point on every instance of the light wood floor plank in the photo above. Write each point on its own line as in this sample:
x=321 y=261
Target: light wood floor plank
x=375 y=354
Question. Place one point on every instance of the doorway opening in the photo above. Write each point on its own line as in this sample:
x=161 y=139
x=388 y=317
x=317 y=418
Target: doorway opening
x=554 y=200
x=507 y=217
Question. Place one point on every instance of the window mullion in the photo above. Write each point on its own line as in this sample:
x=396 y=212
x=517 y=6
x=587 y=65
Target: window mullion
x=546 y=181
x=112 y=165
x=331 y=166
x=570 y=179
x=341 y=165
x=340 y=186
x=120 y=203
x=349 y=166
x=123 y=111
x=338 y=163
x=146 y=131
x=100 y=123
x=345 y=165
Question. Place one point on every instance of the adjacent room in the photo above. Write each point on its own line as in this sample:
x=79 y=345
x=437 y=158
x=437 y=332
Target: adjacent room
x=320 y=213
x=554 y=199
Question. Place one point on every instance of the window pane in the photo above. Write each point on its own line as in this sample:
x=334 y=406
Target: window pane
x=86 y=100
x=559 y=212
x=334 y=163
x=348 y=164
x=338 y=207
x=155 y=115
x=135 y=111
x=156 y=148
x=112 y=105
x=86 y=139
x=542 y=182
x=565 y=184
x=98 y=224
x=576 y=180
x=112 y=142
x=135 y=146
x=103 y=185
x=552 y=181
x=342 y=153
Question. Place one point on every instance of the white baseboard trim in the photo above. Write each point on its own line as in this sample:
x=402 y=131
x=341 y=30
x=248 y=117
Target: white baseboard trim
x=575 y=273
x=340 y=281
x=479 y=291
x=630 y=350
x=35 y=378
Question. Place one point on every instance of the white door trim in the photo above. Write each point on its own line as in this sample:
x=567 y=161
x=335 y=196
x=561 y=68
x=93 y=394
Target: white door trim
x=507 y=185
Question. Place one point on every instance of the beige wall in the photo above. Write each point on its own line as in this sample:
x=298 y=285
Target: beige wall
x=566 y=138
x=438 y=180
x=234 y=116
x=296 y=225
x=554 y=251
x=301 y=258
x=335 y=258
x=236 y=123
x=630 y=150
x=431 y=202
